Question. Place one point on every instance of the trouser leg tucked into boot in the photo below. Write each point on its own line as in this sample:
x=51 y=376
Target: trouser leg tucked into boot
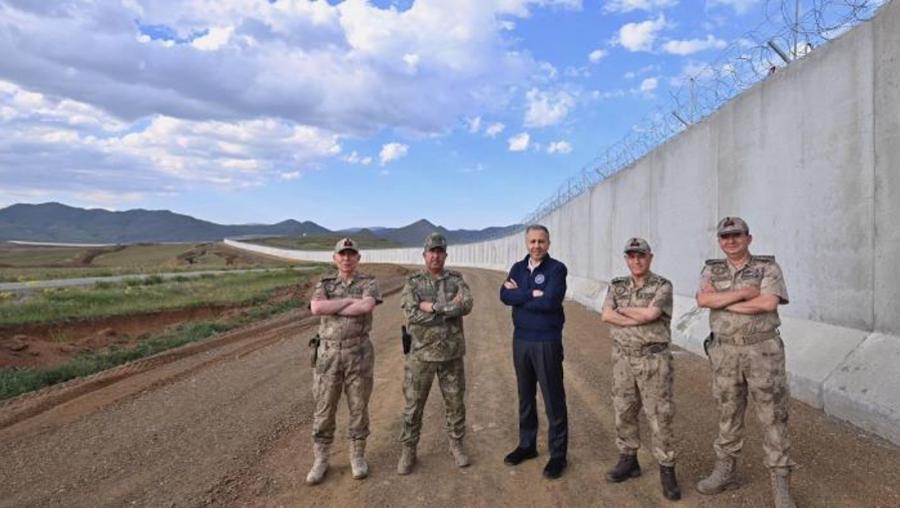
x=320 y=463
x=626 y=468
x=458 y=452
x=781 y=489
x=407 y=459
x=358 y=465
x=670 y=488
x=721 y=478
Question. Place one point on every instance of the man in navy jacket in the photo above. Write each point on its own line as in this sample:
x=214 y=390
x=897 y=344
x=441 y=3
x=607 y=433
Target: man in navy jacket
x=535 y=289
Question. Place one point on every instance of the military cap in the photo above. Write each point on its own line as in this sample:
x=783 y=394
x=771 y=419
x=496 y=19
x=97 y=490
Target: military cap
x=435 y=241
x=345 y=244
x=731 y=226
x=637 y=245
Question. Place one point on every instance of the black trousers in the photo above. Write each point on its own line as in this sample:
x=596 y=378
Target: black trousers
x=541 y=363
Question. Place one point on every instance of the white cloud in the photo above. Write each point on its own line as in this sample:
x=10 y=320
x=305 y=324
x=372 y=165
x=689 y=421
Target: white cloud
x=355 y=158
x=352 y=68
x=739 y=6
x=648 y=85
x=691 y=46
x=474 y=124
x=59 y=146
x=214 y=39
x=622 y=6
x=392 y=151
x=559 y=147
x=597 y=55
x=547 y=108
x=293 y=175
x=519 y=142
x=494 y=129
x=640 y=36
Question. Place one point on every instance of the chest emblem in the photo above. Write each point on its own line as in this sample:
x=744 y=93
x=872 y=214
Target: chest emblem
x=539 y=278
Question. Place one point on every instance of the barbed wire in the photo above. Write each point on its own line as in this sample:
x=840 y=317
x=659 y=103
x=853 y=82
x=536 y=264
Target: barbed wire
x=791 y=30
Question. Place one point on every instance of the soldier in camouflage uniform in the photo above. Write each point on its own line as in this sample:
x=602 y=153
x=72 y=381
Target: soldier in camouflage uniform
x=345 y=358
x=434 y=302
x=639 y=308
x=747 y=355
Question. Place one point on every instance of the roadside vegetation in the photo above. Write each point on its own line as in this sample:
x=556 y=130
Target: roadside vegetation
x=260 y=295
x=137 y=296
x=16 y=381
x=324 y=242
x=19 y=263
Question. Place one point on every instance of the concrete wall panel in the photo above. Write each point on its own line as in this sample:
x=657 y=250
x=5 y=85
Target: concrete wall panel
x=886 y=29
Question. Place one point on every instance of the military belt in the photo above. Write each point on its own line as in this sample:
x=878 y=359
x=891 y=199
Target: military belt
x=644 y=350
x=745 y=339
x=345 y=343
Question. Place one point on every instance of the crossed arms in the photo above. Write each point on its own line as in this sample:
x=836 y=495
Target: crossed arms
x=740 y=301
x=343 y=306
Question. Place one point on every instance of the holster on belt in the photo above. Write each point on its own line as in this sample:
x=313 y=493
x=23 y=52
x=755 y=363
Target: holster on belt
x=314 y=350
x=405 y=339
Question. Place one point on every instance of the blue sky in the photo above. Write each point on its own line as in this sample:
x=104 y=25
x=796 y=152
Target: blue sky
x=464 y=112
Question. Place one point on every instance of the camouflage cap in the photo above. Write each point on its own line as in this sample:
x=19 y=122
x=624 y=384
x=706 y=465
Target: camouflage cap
x=637 y=245
x=346 y=244
x=435 y=241
x=732 y=225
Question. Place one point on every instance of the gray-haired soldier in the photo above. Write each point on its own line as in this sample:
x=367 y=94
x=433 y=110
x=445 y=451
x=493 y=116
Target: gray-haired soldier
x=434 y=302
x=345 y=357
x=639 y=308
x=742 y=293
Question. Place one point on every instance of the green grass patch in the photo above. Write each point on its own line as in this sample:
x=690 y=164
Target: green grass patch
x=22 y=264
x=136 y=296
x=321 y=242
x=16 y=381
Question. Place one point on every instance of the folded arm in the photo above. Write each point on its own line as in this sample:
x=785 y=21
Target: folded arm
x=759 y=305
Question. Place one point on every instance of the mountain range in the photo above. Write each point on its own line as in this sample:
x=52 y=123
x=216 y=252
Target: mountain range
x=56 y=222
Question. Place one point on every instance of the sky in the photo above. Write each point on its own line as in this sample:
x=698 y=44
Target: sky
x=349 y=113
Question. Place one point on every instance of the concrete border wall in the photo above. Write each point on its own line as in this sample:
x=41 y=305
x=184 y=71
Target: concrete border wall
x=811 y=158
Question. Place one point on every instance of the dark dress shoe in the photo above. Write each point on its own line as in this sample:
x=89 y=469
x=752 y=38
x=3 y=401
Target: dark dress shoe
x=554 y=468
x=520 y=455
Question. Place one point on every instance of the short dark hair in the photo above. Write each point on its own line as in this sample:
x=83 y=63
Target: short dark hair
x=537 y=227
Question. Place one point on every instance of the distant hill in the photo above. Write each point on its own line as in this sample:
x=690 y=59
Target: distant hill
x=56 y=222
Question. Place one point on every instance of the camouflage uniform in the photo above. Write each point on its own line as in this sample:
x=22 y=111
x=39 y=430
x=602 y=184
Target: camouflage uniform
x=346 y=358
x=438 y=346
x=642 y=367
x=747 y=355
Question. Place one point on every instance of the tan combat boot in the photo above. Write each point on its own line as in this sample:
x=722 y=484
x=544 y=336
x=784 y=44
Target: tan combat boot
x=721 y=478
x=320 y=463
x=781 y=490
x=407 y=459
x=459 y=454
x=358 y=465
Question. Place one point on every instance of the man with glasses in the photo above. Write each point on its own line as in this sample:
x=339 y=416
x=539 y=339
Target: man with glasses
x=742 y=293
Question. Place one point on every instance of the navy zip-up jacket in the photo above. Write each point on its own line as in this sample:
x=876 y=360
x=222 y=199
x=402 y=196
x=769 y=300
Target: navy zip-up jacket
x=542 y=318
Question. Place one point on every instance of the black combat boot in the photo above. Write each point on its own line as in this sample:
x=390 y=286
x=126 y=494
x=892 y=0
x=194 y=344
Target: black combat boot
x=670 y=488
x=626 y=468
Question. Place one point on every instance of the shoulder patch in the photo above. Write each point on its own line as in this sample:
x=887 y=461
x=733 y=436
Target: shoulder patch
x=764 y=259
x=712 y=262
x=659 y=279
x=453 y=273
x=619 y=280
x=328 y=276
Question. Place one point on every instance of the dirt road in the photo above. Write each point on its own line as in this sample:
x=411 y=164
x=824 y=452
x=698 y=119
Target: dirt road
x=231 y=426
